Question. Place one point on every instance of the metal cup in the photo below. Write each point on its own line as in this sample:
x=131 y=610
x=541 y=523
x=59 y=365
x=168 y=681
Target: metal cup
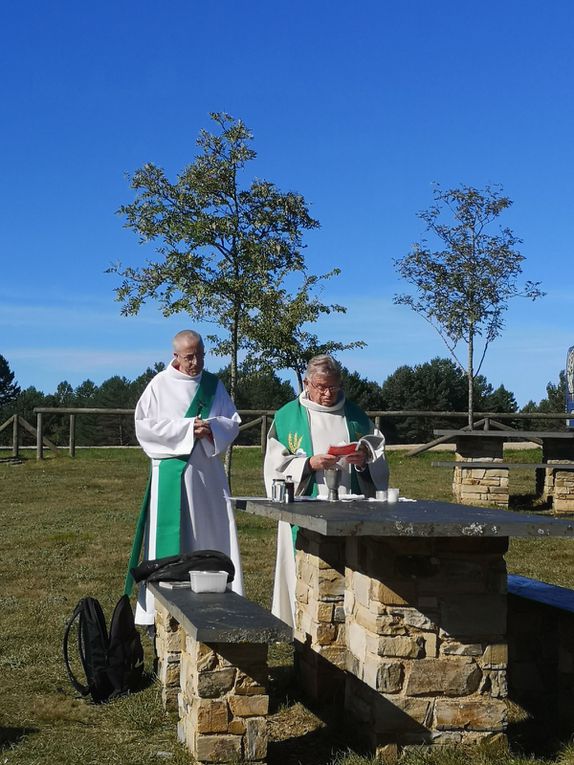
x=278 y=491
x=333 y=479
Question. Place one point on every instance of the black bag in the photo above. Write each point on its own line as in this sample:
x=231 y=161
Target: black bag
x=113 y=664
x=176 y=568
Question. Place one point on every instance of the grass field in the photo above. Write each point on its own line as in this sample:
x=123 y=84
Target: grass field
x=66 y=532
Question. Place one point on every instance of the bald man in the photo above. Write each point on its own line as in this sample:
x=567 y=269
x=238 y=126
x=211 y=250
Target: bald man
x=185 y=420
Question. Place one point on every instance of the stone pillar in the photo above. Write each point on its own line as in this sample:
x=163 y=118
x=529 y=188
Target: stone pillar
x=223 y=704
x=320 y=652
x=426 y=625
x=220 y=691
x=474 y=486
x=559 y=484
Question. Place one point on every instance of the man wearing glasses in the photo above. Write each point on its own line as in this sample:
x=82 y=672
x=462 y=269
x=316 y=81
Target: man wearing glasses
x=298 y=445
x=185 y=420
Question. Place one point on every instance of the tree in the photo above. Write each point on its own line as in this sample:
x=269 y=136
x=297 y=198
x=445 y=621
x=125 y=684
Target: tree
x=9 y=390
x=276 y=335
x=221 y=246
x=463 y=289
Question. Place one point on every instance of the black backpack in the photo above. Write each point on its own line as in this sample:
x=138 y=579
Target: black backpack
x=112 y=663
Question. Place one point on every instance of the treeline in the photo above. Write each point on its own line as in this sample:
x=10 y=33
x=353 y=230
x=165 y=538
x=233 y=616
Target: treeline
x=438 y=385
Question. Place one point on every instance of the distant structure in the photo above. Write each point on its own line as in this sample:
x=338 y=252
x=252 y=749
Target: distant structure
x=570 y=385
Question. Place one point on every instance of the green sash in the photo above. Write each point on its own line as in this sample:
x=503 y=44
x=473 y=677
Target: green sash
x=292 y=430
x=170 y=477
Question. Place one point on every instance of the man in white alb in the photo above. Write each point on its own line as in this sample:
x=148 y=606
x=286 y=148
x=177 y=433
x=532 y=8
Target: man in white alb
x=298 y=444
x=185 y=420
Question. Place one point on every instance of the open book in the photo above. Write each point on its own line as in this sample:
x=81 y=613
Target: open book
x=343 y=449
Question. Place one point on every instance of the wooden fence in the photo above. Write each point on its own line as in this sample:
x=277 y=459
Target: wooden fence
x=262 y=418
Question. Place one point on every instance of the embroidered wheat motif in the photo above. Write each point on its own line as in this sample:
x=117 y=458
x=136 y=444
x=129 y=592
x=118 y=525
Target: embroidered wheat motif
x=294 y=442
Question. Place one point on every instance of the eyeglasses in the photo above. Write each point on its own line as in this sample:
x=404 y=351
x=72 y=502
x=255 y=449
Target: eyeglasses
x=325 y=388
x=189 y=357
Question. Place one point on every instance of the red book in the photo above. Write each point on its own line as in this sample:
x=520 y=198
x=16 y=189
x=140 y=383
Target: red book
x=341 y=451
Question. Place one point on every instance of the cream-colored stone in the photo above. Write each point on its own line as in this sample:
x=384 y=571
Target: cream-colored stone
x=383 y=676
x=452 y=676
x=356 y=640
x=400 y=647
x=216 y=683
x=220 y=748
x=453 y=648
x=249 y=706
x=495 y=655
x=362 y=588
x=476 y=714
x=431 y=645
x=413 y=618
x=210 y=716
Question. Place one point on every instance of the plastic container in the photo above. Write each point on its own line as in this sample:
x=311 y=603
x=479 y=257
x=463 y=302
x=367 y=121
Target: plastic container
x=208 y=581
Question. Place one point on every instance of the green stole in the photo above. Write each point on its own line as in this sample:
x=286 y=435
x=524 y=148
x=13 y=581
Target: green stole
x=170 y=478
x=292 y=430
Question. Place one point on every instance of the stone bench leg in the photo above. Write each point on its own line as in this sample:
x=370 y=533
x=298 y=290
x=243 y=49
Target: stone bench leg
x=479 y=486
x=220 y=691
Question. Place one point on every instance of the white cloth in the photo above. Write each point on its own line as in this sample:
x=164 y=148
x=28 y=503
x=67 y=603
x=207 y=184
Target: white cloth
x=327 y=427
x=163 y=431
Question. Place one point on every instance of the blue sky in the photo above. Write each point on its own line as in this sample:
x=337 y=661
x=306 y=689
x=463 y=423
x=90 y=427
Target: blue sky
x=360 y=107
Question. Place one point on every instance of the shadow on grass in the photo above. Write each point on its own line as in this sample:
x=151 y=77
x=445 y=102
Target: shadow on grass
x=11 y=736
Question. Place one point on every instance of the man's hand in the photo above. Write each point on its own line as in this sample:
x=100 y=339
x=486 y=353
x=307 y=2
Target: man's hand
x=323 y=462
x=358 y=458
x=202 y=429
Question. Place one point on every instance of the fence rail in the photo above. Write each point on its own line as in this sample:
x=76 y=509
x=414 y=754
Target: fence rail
x=257 y=418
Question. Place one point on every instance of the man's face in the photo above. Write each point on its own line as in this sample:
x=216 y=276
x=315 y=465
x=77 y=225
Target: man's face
x=323 y=388
x=189 y=357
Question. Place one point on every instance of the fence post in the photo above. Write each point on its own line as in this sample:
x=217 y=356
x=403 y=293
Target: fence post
x=72 y=435
x=15 y=436
x=39 y=436
x=378 y=422
x=264 y=430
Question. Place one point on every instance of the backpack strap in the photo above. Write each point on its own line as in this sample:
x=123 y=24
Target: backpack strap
x=83 y=689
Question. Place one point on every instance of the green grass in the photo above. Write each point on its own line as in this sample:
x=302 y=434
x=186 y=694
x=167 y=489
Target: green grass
x=67 y=527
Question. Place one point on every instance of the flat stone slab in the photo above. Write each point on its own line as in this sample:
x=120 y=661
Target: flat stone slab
x=421 y=518
x=213 y=617
x=541 y=592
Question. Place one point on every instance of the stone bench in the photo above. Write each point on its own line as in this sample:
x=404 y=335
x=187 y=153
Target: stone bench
x=541 y=652
x=212 y=664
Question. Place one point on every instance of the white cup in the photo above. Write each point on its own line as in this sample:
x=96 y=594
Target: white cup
x=381 y=495
x=392 y=495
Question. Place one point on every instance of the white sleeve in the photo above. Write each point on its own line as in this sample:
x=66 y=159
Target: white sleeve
x=224 y=422
x=161 y=437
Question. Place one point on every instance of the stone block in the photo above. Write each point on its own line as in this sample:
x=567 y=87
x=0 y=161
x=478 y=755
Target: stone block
x=255 y=742
x=249 y=706
x=394 y=593
x=454 y=648
x=383 y=676
x=495 y=656
x=215 y=683
x=247 y=685
x=216 y=749
x=406 y=647
x=210 y=716
x=169 y=670
x=413 y=618
x=361 y=585
x=356 y=640
x=480 y=715
x=348 y=601
x=431 y=645
x=494 y=683
x=452 y=676
x=401 y=714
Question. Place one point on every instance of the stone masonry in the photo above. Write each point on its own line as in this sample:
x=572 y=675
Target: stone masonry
x=219 y=690
x=423 y=638
x=474 y=486
x=559 y=484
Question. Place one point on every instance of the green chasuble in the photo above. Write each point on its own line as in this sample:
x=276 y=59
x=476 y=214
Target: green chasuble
x=170 y=489
x=292 y=430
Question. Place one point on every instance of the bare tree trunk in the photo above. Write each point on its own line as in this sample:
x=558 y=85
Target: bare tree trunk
x=470 y=371
x=299 y=380
x=232 y=392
